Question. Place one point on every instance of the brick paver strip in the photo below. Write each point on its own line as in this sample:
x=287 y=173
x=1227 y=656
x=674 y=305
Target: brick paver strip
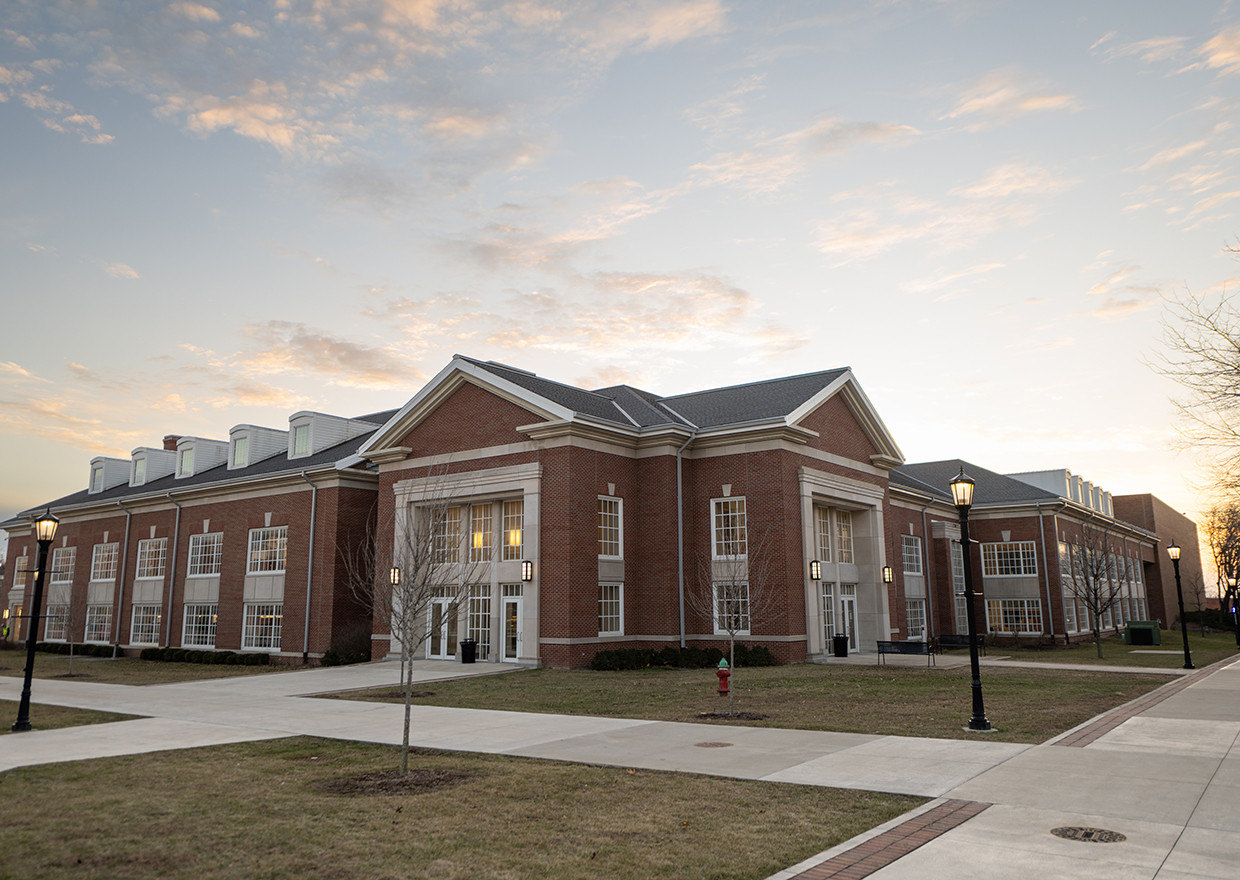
x=878 y=852
x=1106 y=723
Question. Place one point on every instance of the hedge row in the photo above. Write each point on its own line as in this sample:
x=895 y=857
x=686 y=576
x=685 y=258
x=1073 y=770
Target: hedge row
x=332 y=657
x=679 y=658
x=1210 y=617
x=220 y=658
x=78 y=650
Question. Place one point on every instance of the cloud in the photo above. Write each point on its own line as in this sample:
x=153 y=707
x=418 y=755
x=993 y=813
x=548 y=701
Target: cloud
x=1061 y=342
x=1151 y=51
x=1003 y=95
x=1114 y=307
x=928 y=285
x=1172 y=154
x=122 y=271
x=1015 y=179
x=1123 y=294
x=289 y=347
x=11 y=371
x=195 y=11
x=1222 y=52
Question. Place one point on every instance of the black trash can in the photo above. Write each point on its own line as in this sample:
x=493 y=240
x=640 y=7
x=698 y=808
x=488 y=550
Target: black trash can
x=469 y=650
x=839 y=645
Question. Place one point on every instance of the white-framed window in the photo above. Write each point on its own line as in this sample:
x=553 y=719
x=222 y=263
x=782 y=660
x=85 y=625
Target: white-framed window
x=910 y=553
x=610 y=609
x=63 y=561
x=19 y=573
x=478 y=618
x=261 y=629
x=139 y=471
x=96 y=479
x=828 y=608
x=198 y=630
x=915 y=618
x=267 y=550
x=185 y=466
x=962 y=614
x=1009 y=559
x=843 y=536
x=480 y=535
x=206 y=554
x=445 y=535
x=610 y=527
x=1069 y=614
x=56 y=624
x=103 y=562
x=98 y=624
x=144 y=629
x=1019 y=616
x=514 y=529
x=240 y=451
x=730 y=529
x=152 y=557
x=301 y=440
x=822 y=528
x=731 y=599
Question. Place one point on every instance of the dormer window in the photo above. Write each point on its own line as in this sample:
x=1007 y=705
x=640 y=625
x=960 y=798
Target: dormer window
x=186 y=466
x=240 y=451
x=139 y=471
x=96 y=478
x=301 y=440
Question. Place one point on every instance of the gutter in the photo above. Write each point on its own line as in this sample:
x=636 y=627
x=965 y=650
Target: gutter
x=172 y=570
x=680 y=534
x=120 y=590
x=314 y=501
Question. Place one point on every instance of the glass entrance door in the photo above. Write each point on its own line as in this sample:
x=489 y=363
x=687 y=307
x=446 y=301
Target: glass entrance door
x=442 y=621
x=848 y=614
x=512 y=629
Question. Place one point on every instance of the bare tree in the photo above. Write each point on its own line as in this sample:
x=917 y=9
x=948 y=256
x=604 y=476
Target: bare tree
x=1222 y=531
x=1096 y=576
x=734 y=589
x=421 y=582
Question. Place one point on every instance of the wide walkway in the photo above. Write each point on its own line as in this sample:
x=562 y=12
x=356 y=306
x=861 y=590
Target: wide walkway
x=1162 y=772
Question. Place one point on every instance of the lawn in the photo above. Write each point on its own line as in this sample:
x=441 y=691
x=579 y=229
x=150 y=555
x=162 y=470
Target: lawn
x=1024 y=705
x=122 y=670
x=1205 y=649
x=51 y=717
x=302 y=808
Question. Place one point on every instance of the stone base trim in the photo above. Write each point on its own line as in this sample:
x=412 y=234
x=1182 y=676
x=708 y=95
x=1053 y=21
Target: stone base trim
x=878 y=852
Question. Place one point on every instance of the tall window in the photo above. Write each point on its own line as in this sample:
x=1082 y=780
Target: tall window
x=96 y=479
x=261 y=629
x=1012 y=558
x=843 y=536
x=139 y=471
x=152 y=555
x=199 y=628
x=240 y=451
x=103 y=562
x=206 y=554
x=828 y=611
x=145 y=627
x=731 y=535
x=56 y=626
x=301 y=439
x=962 y=615
x=480 y=535
x=445 y=535
x=822 y=522
x=1019 y=616
x=915 y=613
x=731 y=608
x=479 y=618
x=187 y=461
x=514 y=529
x=98 y=623
x=267 y=550
x=610 y=524
x=19 y=573
x=63 y=560
x=610 y=609
x=910 y=552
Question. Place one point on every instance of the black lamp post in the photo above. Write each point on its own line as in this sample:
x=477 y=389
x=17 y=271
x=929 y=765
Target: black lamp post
x=962 y=495
x=44 y=532
x=1173 y=550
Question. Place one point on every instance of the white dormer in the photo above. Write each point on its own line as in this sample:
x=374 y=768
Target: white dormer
x=1107 y=507
x=311 y=432
x=248 y=444
x=195 y=455
x=107 y=473
x=148 y=464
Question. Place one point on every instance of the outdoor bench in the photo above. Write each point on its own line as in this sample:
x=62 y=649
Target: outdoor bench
x=960 y=641
x=885 y=648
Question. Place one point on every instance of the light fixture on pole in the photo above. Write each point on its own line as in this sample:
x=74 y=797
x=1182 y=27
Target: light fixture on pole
x=1173 y=550
x=44 y=532
x=962 y=495
x=889 y=576
x=815 y=570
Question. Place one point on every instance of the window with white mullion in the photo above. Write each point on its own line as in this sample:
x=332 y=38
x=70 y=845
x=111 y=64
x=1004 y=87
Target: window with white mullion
x=731 y=608
x=262 y=627
x=910 y=554
x=843 y=536
x=514 y=529
x=610 y=609
x=480 y=534
x=1009 y=559
x=103 y=562
x=19 y=573
x=822 y=523
x=206 y=554
x=479 y=618
x=63 y=561
x=144 y=627
x=610 y=527
x=730 y=528
x=445 y=535
x=56 y=625
x=152 y=556
x=98 y=624
x=267 y=550
x=915 y=618
x=199 y=626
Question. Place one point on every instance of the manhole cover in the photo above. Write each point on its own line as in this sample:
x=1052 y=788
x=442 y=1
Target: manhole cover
x=1088 y=835
x=712 y=745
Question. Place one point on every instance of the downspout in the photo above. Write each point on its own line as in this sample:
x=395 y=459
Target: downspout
x=120 y=590
x=1046 y=571
x=925 y=552
x=314 y=501
x=680 y=535
x=172 y=570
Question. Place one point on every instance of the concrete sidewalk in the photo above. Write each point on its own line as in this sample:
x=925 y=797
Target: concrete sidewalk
x=1162 y=771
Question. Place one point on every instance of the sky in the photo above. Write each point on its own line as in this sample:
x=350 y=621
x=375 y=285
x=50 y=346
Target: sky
x=215 y=213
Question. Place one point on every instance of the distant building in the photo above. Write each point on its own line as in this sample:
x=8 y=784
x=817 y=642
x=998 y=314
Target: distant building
x=1155 y=515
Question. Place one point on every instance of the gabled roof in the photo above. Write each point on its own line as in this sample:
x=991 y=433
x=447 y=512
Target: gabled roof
x=934 y=478
x=624 y=408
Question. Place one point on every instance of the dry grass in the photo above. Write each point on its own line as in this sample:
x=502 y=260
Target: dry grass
x=52 y=717
x=122 y=670
x=272 y=810
x=1025 y=705
x=1205 y=649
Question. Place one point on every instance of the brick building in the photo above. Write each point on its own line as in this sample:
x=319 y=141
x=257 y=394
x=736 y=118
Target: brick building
x=579 y=520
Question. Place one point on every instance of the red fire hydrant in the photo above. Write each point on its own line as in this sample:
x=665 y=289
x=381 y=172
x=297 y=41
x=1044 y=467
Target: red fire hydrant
x=723 y=672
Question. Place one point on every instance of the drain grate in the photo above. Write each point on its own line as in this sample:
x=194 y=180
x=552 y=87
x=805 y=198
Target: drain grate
x=712 y=745
x=1088 y=835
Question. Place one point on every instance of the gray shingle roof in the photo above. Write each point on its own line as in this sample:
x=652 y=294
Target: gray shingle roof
x=754 y=401
x=934 y=477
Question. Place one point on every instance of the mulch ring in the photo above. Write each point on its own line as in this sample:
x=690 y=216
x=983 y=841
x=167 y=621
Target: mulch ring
x=387 y=782
x=733 y=716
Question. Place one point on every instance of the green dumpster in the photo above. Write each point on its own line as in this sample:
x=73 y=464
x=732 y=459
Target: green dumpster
x=1142 y=632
